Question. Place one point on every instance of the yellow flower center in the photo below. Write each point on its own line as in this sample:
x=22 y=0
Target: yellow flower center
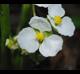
x=57 y=20
x=40 y=36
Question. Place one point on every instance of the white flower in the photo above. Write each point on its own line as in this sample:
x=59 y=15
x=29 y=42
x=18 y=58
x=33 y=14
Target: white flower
x=63 y=25
x=40 y=23
x=31 y=41
x=49 y=47
x=42 y=5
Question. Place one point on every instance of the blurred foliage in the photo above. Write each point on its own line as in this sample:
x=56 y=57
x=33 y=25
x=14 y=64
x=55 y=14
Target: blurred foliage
x=76 y=20
x=17 y=59
x=5 y=31
x=5 y=23
x=37 y=57
x=26 y=12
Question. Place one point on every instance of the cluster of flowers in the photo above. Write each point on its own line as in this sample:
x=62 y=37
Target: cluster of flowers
x=40 y=34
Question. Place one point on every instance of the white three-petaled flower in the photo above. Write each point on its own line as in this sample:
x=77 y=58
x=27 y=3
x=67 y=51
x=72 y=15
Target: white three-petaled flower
x=27 y=40
x=63 y=25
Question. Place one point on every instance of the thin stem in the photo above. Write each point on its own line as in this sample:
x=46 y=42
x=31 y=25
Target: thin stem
x=33 y=9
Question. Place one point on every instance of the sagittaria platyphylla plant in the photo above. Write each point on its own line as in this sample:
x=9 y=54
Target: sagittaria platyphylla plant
x=40 y=36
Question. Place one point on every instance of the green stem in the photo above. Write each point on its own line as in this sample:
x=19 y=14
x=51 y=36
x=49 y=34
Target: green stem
x=33 y=8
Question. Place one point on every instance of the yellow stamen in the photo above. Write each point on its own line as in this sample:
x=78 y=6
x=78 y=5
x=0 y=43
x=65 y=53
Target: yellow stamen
x=40 y=36
x=57 y=20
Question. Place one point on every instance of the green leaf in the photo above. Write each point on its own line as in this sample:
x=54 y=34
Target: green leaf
x=76 y=20
x=5 y=23
x=26 y=12
x=5 y=29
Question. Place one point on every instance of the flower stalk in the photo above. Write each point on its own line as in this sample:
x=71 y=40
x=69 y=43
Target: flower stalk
x=33 y=8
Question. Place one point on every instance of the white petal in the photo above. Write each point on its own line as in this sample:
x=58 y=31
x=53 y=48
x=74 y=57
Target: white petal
x=26 y=40
x=40 y=23
x=51 y=46
x=56 y=10
x=42 y=5
x=67 y=27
